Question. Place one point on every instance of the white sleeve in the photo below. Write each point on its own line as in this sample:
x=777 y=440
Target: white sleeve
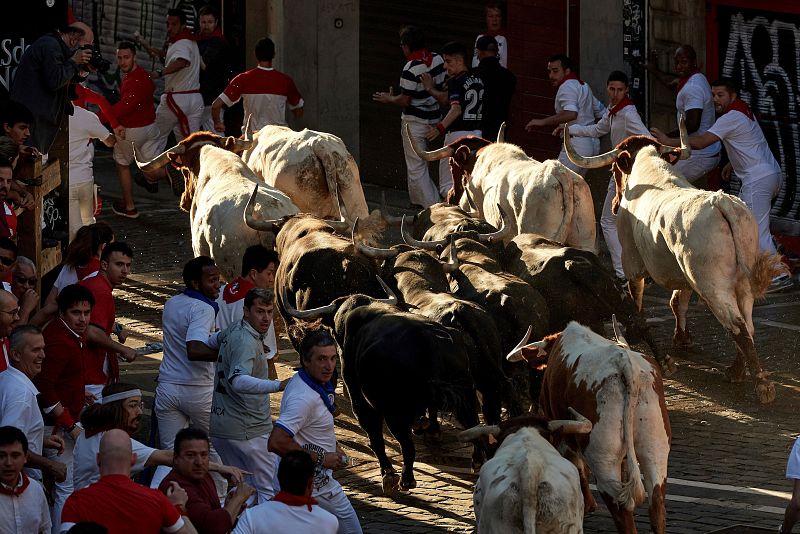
x=181 y=50
x=176 y=527
x=694 y=97
x=725 y=125
x=567 y=98
x=594 y=130
x=243 y=525
x=502 y=49
x=142 y=453
x=201 y=323
x=294 y=412
x=634 y=124
x=96 y=128
x=598 y=108
x=251 y=384
x=213 y=340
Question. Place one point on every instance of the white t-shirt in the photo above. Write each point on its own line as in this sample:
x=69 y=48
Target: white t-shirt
x=624 y=124
x=274 y=516
x=68 y=276
x=18 y=407
x=696 y=94
x=188 y=78
x=233 y=312
x=747 y=148
x=185 y=319
x=793 y=465
x=502 y=51
x=304 y=416
x=83 y=127
x=27 y=513
x=572 y=95
x=84 y=463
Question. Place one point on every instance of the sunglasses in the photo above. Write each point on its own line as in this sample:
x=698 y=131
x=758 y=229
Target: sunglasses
x=7 y=261
x=22 y=280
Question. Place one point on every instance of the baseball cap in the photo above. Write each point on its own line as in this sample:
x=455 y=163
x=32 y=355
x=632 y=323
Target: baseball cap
x=486 y=42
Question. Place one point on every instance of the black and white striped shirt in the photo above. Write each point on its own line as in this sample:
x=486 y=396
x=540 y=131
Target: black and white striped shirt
x=423 y=107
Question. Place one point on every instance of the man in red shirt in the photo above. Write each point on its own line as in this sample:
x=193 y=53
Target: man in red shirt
x=121 y=505
x=136 y=112
x=115 y=265
x=60 y=383
x=190 y=472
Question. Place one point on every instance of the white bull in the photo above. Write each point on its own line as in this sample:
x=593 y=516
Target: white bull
x=689 y=240
x=544 y=198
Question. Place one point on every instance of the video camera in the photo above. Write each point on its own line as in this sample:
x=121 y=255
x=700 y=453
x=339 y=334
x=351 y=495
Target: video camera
x=97 y=61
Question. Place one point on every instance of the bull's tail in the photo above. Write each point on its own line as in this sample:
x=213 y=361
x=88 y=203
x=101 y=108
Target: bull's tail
x=568 y=198
x=766 y=265
x=632 y=492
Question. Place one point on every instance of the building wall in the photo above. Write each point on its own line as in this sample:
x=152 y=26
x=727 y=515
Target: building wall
x=601 y=43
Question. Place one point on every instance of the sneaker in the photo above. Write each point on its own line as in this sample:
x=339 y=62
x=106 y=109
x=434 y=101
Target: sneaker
x=118 y=207
x=141 y=181
x=779 y=283
x=176 y=180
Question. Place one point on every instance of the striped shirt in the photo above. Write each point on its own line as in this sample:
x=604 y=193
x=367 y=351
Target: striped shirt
x=423 y=107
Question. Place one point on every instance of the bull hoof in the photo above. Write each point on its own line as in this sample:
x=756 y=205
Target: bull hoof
x=391 y=481
x=407 y=484
x=668 y=367
x=735 y=374
x=765 y=391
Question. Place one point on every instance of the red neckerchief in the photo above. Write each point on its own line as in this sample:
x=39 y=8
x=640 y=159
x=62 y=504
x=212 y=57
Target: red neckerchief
x=570 y=76
x=18 y=490
x=216 y=33
x=237 y=290
x=89 y=268
x=422 y=54
x=620 y=105
x=294 y=500
x=683 y=79
x=183 y=34
x=740 y=106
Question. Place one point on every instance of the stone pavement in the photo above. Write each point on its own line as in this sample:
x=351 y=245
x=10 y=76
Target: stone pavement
x=728 y=454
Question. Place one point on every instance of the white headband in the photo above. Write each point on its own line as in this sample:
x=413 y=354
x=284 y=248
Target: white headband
x=122 y=395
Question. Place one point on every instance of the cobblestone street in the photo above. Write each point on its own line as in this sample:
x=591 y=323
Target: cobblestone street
x=728 y=453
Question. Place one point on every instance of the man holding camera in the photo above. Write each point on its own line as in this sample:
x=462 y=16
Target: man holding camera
x=42 y=81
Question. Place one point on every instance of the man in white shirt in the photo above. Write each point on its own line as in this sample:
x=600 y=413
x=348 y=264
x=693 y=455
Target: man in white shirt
x=622 y=120
x=23 y=505
x=186 y=375
x=306 y=423
x=494 y=28
x=84 y=126
x=293 y=509
x=750 y=158
x=574 y=102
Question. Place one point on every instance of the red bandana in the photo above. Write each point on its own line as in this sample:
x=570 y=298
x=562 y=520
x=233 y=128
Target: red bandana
x=490 y=33
x=625 y=102
x=216 y=33
x=683 y=79
x=740 y=106
x=422 y=54
x=89 y=268
x=237 y=290
x=294 y=500
x=183 y=34
x=18 y=490
x=570 y=76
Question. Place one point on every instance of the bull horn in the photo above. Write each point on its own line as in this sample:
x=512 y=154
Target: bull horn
x=473 y=209
x=477 y=432
x=501 y=133
x=516 y=351
x=618 y=332
x=260 y=225
x=452 y=265
x=248 y=133
x=390 y=219
x=587 y=162
x=159 y=161
x=686 y=149
x=311 y=313
x=372 y=252
x=581 y=425
x=503 y=232
x=392 y=300
x=408 y=239
x=434 y=155
x=341 y=226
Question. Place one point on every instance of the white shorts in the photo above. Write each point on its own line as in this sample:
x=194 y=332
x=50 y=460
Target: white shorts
x=146 y=139
x=793 y=465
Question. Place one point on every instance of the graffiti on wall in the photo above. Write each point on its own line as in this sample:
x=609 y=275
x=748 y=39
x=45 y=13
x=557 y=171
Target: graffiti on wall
x=761 y=51
x=634 y=43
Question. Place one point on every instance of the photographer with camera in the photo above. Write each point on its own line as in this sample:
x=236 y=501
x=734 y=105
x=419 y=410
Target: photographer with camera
x=42 y=81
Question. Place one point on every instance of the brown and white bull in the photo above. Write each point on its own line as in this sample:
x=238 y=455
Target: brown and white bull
x=314 y=169
x=528 y=486
x=689 y=240
x=218 y=186
x=544 y=198
x=621 y=393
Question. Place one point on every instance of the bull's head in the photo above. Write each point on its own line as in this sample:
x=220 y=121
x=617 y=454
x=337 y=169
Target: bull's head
x=489 y=238
x=313 y=313
x=546 y=427
x=624 y=154
x=261 y=225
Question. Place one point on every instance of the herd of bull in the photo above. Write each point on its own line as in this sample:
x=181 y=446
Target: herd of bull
x=431 y=324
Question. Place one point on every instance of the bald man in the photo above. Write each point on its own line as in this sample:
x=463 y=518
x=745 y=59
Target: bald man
x=9 y=315
x=121 y=505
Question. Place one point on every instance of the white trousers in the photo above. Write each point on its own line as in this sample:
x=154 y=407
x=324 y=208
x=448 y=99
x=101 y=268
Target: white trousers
x=696 y=166
x=337 y=503
x=178 y=406
x=758 y=195
x=608 y=222
x=62 y=490
x=253 y=456
x=81 y=206
x=585 y=146
x=445 y=174
x=421 y=189
x=146 y=139
x=207 y=120
x=167 y=121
